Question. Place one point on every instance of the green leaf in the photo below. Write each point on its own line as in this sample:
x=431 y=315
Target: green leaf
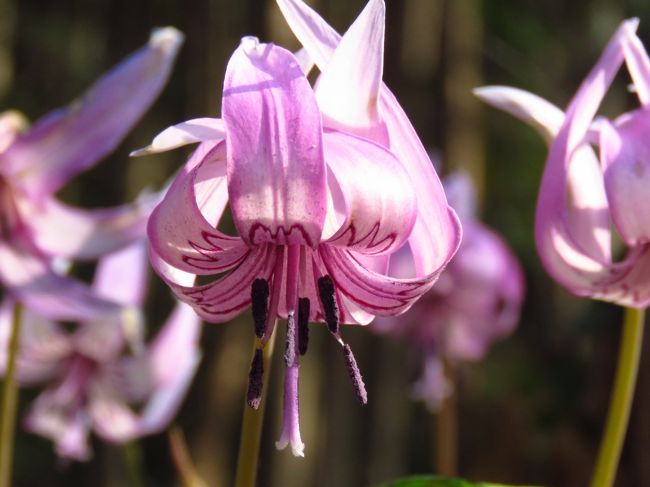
x=428 y=481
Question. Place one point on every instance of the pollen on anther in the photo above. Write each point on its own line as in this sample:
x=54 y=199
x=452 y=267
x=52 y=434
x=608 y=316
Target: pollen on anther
x=355 y=375
x=254 y=393
x=260 y=305
x=304 y=307
x=328 y=301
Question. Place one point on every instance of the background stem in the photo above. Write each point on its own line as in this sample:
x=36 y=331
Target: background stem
x=621 y=399
x=447 y=428
x=251 y=431
x=9 y=399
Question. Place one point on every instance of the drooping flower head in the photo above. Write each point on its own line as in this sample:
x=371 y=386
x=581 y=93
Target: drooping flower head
x=102 y=376
x=475 y=302
x=35 y=228
x=321 y=193
x=582 y=192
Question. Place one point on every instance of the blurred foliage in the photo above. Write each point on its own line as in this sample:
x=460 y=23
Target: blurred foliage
x=532 y=412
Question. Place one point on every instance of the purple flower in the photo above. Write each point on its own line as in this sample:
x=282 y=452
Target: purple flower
x=102 y=377
x=476 y=301
x=322 y=190
x=583 y=193
x=37 y=230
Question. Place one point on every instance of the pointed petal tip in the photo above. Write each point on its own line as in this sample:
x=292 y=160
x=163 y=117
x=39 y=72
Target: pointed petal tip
x=632 y=23
x=144 y=151
x=166 y=38
x=251 y=46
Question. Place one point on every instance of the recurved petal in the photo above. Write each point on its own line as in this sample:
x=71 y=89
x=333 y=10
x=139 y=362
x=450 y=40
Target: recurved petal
x=347 y=91
x=638 y=65
x=122 y=276
x=73 y=139
x=276 y=172
x=190 y=132
x=625 y=154
x=543 y=116
x=372 y=191
x=29 y=280
x=60 y=230
x=182 y=227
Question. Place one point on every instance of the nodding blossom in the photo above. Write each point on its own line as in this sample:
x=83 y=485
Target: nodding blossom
x=476 y=301
x=36 y=229
x=323 y=185
x=586 y=195
x=102 y=376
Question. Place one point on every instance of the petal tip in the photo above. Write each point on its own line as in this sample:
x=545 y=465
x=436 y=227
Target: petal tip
x=251 y=46
x=166 y=38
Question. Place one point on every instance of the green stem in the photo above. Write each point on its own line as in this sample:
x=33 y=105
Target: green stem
x=621 y=399
x=132 y=456
x=9 y=399
x=447 y=428
x=251 y=432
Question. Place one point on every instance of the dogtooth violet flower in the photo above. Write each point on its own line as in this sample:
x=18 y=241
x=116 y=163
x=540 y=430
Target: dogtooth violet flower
x=582 y=193
x=319 y=202
x=476 y=301
x=101 y=376
x=36 y=229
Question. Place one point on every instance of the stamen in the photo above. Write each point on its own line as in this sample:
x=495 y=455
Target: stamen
x=355 y=375
x=290 y=349
x=303 y=324
x=260 y=305
x=328 y=301
x=254 y=393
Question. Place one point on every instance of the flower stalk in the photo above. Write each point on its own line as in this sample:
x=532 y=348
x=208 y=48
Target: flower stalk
x=621 y=399
x=446 y=460
x=9 y=399
x=251 y=430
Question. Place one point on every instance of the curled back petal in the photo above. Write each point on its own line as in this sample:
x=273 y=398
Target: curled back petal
x=638 y=64
x=64 y=231
x=276 y=172
x=437 y=232
x=375 y=189
x=189 y=132
x=178 y=229
x=72 y=139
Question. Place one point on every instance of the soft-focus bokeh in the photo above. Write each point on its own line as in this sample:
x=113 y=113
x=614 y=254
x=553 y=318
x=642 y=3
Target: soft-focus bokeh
x=530 y=413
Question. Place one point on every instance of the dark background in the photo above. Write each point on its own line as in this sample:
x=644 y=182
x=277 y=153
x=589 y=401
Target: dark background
x=532 y=412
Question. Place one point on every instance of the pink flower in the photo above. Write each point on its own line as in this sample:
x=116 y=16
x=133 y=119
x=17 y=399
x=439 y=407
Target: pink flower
x=101 y=377
x=35 y=228
x=321 y=192
x=583 y=193
x=475 y=302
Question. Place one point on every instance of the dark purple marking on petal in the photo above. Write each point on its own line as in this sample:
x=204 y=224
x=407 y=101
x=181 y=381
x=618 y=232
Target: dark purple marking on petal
x=367 y=241
x=260 y=305
x=254 y=393
x=261 y=234
x=304 y=306
x=328 y=302
x=355 y=375
x=290 y=348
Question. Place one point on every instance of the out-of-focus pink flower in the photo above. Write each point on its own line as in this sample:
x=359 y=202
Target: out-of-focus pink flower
x=102 y=377
x=583 y=194
x=321 y=191
x=36 y=228
x=476 y=301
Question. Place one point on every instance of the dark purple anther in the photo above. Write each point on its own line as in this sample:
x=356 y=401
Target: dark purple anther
x=303 y=321
x=328 y=301
x=355 y=375
x=260 y=305
x=254 y=393
x=290 y=350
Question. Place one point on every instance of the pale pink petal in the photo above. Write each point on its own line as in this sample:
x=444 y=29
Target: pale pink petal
x=380 y=207
x=30 y=281
x=112 y=418
x=73 y=139
x=347 y=91
x=12 y=123
x=276 y=172
x=543 y=116
x=178 y=229
x=190 y=132
x=73 y=233
x=638 y=65
x=626 y=157
x=304 y=60
x=122 y=276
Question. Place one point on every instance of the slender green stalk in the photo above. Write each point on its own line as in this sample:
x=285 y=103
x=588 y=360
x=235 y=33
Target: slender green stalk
x=9 y=399
x=187 y=472
x=251 y=432
x=132 y=456
x=621 y=399
x=446 y=460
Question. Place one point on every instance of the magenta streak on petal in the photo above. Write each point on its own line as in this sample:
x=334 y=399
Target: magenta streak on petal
x=260 y=234
x=366 y=241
